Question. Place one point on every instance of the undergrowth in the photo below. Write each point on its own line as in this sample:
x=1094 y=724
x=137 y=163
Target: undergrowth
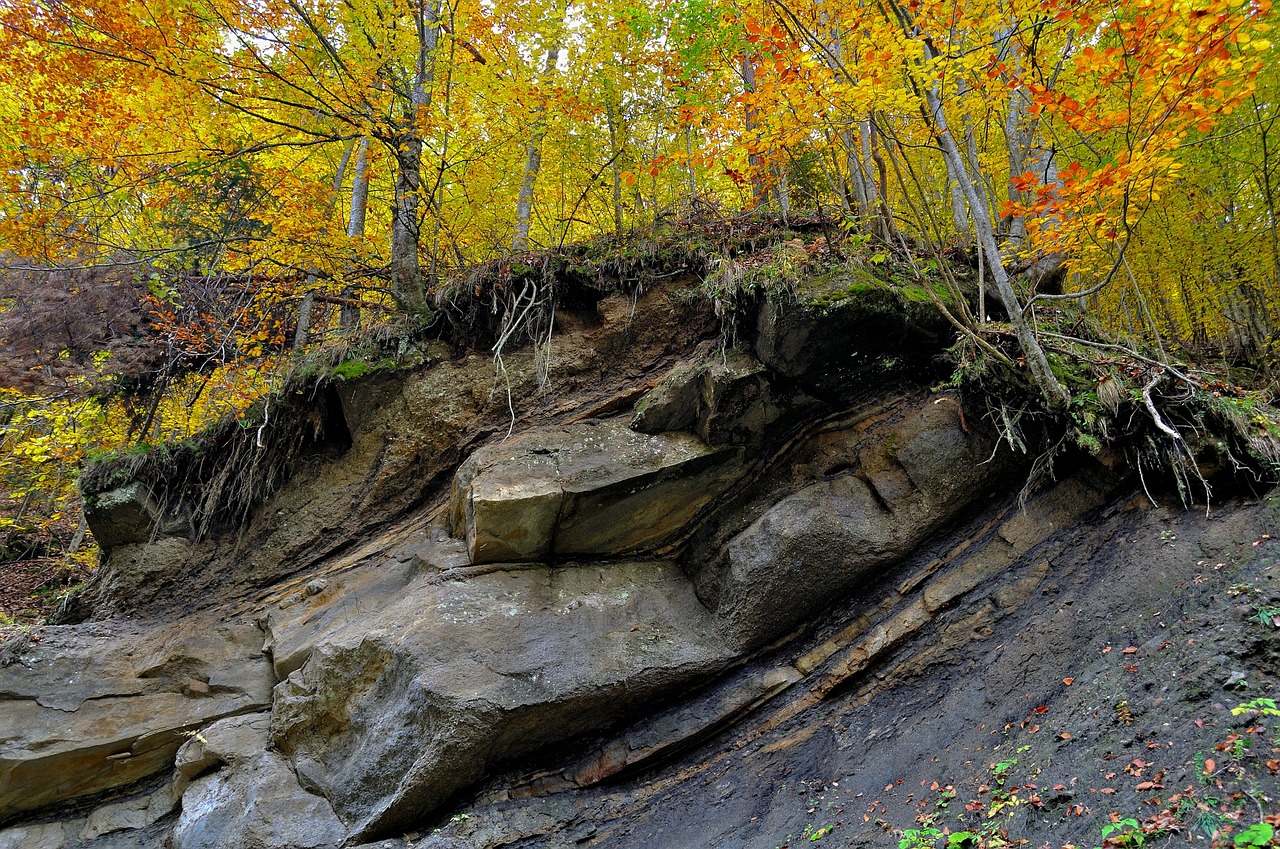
x=1176 y=424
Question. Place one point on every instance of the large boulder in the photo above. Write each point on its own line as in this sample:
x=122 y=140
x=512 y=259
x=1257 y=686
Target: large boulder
x=906 y=479
x=128 y=514
x=396 y=711
x=100 y=706
x=595 y=488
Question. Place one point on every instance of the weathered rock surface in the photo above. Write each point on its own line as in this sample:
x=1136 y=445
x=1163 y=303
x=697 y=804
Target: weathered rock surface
x=394 y=713
x=253 y=799
x=730 y=399
x=122 y=515
x=902 y=482
x=589 y=489
x=95 y=707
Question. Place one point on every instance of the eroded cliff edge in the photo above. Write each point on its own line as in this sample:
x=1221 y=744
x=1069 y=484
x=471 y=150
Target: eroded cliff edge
x=681 y=562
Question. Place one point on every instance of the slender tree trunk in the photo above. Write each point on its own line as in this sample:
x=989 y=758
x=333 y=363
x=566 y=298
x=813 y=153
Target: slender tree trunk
x=888 y=229
x=866 y=141
x=783 y=192
x=984 y=229
x=959 y=211
x=857 y=177
x=759 y=190
x=688 y=164
x=359 y=191
x=611 y=118
x=407 y=285
x=832 y=174
x=349 y=314
x=533 y=156
x=302 y=331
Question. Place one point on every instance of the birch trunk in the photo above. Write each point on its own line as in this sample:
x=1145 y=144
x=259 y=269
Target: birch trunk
x=359 y=191
x=533 y=158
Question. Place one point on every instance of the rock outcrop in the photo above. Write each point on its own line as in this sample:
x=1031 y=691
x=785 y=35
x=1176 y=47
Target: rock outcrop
x=592 y=489
x=100 y=706
x=682 y=559
x=394 y=713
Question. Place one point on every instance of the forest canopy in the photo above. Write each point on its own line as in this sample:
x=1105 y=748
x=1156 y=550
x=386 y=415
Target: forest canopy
x=192 y=192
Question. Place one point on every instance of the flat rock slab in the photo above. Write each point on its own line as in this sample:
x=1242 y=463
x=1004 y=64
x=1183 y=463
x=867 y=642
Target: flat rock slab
x=94 y=707
x=395 y=712
x=585 y=490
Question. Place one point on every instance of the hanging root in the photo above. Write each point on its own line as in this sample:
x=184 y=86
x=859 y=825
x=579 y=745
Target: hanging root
x=1155 y=414
x=532 y=310
x=1178 y=456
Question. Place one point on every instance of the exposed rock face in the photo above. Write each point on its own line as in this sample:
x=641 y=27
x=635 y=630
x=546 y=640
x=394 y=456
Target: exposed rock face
x=394 y=713
x=590 y=489
x=97 y=707
x=837 y=534
x=681 y=565
x=253 y=800
x=726 y=400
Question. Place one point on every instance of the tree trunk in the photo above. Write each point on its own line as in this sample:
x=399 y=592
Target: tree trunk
x=612 y=119
x=302 y=331
x=688 y=163
x=984 y=229
x=407 y=286
x=759 y=191
x=349 y=313
x=359 y=191
x=533 y=157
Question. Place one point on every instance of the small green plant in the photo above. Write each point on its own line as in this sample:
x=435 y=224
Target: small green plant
x=1126 y=832
x=1268 y=615
x=815 y=834
x=1265 y=707
x=1258 y=835
x=963 y=840
x=1000 y=771
x=919 y=838
x=1208 y=823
